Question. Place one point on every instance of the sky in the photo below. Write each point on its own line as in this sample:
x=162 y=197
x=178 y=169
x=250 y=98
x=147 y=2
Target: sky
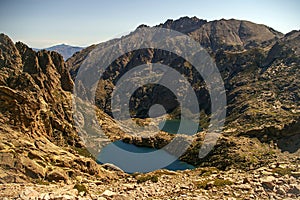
x=44 y=23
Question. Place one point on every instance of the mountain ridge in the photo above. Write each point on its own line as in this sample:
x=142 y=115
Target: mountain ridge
x=65 y=50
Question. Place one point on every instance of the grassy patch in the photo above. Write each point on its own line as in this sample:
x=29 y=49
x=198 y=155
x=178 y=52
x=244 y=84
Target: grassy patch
x=83 y=152
x=206 y=184
x=42 y=182
x=203 y=184
x=222 y=182
x=282 y=171
x=80 y=188
x=144 y=178
x=208 y=171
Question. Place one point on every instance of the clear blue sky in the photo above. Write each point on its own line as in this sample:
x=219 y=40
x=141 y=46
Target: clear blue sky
x=43 y=23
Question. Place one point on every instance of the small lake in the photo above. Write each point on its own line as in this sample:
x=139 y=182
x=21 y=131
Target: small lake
x=131 y=158
x=176 y=126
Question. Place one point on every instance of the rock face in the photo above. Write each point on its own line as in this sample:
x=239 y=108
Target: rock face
x=37 y=136
x=35 y=93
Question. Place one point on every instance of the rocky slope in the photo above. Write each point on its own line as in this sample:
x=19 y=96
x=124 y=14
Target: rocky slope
x=277 y=181
x=38 y=140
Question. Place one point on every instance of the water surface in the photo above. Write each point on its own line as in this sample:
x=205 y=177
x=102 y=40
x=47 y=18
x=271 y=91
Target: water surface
x=132 y=158
x=188 y=127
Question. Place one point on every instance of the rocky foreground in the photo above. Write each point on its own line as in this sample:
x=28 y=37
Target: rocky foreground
x=277 y=181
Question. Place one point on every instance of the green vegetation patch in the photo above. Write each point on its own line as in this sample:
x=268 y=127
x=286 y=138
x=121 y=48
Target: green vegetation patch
x=42 y=182
x=206 y=184
x=144 y=178
x=222 y=182
x=80 y=188
x=282 y=171
x=208 y=171
x=83 y=152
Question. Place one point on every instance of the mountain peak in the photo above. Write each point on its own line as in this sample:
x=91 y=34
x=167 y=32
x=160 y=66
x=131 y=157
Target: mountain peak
x=64 y=49
x=183 y=24
x=228 y=34
x=9 y=55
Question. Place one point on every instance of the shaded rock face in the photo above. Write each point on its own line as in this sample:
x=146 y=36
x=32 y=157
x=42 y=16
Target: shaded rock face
x=253 y=60
x=37 y=136
x=34 y=93
x=146 y=96
x=184 y=24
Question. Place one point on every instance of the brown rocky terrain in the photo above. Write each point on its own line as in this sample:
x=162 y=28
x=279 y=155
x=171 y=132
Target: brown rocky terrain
x=257 y=156
x=38 y=140
x=276 y=181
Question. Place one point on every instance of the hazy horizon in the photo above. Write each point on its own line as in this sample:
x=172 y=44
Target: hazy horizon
x=42 y=24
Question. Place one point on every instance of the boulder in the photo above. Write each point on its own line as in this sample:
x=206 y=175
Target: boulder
x=268 y=182
x=57 y=175
x=31 y=168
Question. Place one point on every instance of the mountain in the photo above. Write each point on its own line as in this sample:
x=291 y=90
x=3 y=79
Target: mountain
x=224 y=34
x=256 y=156
x=229 y=35
x=65 y=50
x=259 y=67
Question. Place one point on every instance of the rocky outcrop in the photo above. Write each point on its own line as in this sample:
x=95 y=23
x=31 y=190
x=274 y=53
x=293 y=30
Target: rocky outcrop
x=38 y=138
x=184 y=24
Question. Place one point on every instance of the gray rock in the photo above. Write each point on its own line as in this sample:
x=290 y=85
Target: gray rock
x=111 y=166
x=280 y=191
x=108 y=193
x=295 y=174
x=294 y=189
x=268 y=182
x=29 y=193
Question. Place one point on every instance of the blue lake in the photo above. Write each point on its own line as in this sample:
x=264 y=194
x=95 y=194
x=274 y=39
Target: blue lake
x=183 y=126
x=132 y=158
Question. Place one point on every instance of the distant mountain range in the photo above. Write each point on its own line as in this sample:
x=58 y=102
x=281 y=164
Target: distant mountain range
x=65 y=50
